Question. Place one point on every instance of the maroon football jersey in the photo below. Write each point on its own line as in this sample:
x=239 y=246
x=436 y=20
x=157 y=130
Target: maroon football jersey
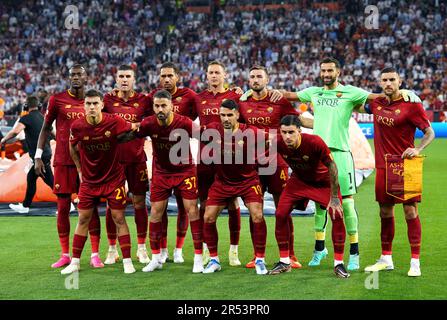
x=209 y=104
x=265 y=114
x=65 y=109
x=235 y=173
x=98 y=146
x=184 y=102
x=395 y=124
x=307 y=161
x=133 y=110
x=161 y=145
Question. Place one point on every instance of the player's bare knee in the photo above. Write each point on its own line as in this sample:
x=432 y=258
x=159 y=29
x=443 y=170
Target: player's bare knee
x=139 y=202
x=410 y=211
x=386 y=211
x=257 y=216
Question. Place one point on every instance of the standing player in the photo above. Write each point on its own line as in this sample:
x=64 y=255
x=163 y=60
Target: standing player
x=208 y=112
x=314 y=177
x=238 y=178
x=395 y=123
x=93 y=147
x=259 y=111
x=168 y=175
x=132 y=107
x=65 y=108
x=333 y=105
x=184 y=102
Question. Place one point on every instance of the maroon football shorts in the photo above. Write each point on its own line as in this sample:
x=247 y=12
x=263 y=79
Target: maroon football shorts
x=66 y=179
x=382 y=196
x=297 y=194
x=114 y=192
x=220 y=193
x=276 y=182
x=184 y=183
x=136 y=176
x=205 y=174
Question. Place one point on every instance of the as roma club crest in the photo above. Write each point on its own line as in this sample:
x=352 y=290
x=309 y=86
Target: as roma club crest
x=178 y=99
x=270 y=109
x=305 y=158
x=116 y=104
x=339 y=94
x=67 y=106
x=249 y=111
x=136 y=105
x=397 y=112
x=107 y=133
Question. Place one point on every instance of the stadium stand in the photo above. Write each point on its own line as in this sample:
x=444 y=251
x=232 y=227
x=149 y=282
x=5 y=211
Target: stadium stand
x=37 y=50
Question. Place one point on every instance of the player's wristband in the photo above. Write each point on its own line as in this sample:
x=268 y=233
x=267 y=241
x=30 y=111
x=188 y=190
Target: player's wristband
x=38 y=154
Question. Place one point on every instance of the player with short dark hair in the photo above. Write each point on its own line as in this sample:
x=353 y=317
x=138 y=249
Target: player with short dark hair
x=65 y=108
x=314 y=177
x=94 y=142
x=259 y=111
x=395 y=123
x=238 y=178
x=132 y=107
x=169 y=175
x=184 y=102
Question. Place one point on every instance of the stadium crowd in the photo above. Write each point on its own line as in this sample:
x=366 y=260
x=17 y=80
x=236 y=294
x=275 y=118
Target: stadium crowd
x=37 y=49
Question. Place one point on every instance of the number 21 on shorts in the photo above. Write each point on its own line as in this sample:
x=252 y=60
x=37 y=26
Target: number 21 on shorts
x=120 y=193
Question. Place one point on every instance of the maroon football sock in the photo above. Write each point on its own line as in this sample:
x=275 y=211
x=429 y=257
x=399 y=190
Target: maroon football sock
x=414 y=236
x=387 y=235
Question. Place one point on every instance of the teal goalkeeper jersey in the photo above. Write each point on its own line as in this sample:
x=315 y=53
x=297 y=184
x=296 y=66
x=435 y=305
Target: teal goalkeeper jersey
x=332 y=112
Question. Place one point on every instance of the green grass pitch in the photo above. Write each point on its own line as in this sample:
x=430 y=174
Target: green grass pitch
x=30 y=244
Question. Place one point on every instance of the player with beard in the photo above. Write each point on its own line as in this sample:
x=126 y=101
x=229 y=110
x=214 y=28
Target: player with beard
x=132 y=107
x=64 y=108
x=259 y=111
x=184 y=102
x=235 y=178
x=395 y=123
x=169 y=175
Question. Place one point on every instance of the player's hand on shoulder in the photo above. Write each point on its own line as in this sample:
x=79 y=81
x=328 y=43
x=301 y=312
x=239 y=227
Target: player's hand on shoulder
x=114 y=92
x=275 y=95
x=410 y=153
x=410 y=96
x=238 y=90
x=246 y=95
x=136 y=126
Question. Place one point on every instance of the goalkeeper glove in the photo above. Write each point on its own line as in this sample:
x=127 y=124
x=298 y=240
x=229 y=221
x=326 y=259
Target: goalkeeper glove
x=246 y=95
x=410 y=96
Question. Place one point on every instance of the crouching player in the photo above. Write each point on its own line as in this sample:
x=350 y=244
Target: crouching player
x=93 y=147
x=314 y=177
